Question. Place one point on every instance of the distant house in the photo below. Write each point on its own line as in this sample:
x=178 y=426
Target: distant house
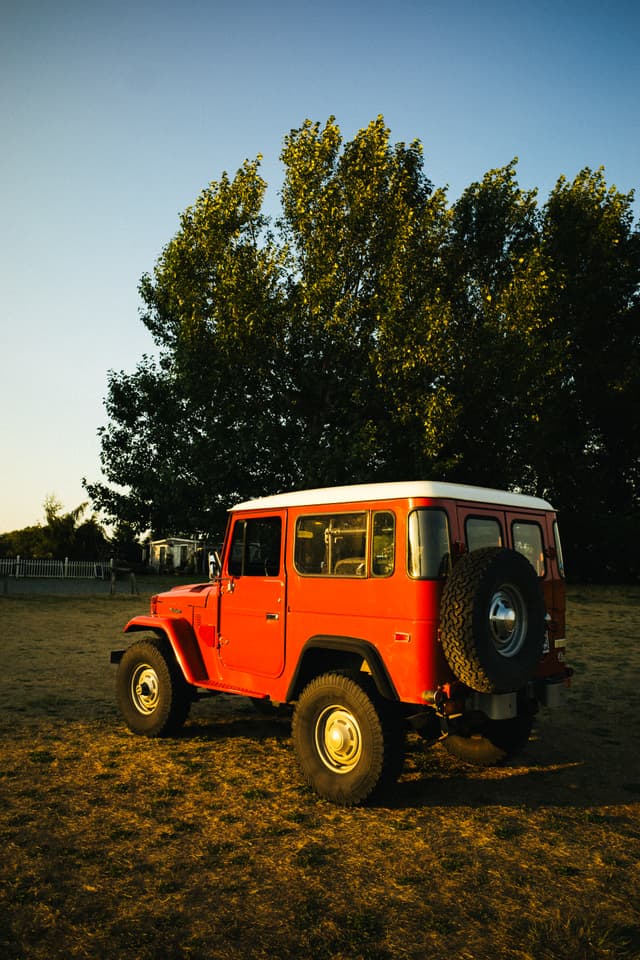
x=174 y=554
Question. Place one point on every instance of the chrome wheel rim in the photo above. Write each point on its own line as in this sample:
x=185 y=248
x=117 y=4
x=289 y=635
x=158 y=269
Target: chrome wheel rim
x=145 y=689
x=507 y=621
x=338 y=739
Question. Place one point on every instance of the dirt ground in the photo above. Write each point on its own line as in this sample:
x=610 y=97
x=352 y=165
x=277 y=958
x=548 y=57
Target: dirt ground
x=210 y=845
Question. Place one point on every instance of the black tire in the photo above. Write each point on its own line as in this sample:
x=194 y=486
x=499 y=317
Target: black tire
x=490 y=741
x=152 y=694
x=492 y=620
x=349 y=742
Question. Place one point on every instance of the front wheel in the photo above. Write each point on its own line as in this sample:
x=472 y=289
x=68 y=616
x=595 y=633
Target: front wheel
x=349 y=743
x=152 y=694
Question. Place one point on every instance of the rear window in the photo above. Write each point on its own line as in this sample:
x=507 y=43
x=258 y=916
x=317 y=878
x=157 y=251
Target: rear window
x=429 y=544
x=527 y=540
x=482 y=532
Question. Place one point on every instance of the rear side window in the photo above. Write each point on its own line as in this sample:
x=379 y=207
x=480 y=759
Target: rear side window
x=482 y=532
x=527 y=540
x=558 y=546
x=255 y=547
x=429 y=545
x=383 y=544
x=334 y=545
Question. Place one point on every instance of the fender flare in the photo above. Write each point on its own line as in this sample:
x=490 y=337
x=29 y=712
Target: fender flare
x=183 y=642
x=349 y=645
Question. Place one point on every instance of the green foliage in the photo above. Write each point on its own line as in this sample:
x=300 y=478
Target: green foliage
x=375 y=331
x=22 y=543
x=63 y=535
x=589 y=237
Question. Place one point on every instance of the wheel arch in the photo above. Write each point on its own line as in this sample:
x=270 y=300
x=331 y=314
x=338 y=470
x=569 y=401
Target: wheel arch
x=182 y=640
x=151 y=690
x=324 y=653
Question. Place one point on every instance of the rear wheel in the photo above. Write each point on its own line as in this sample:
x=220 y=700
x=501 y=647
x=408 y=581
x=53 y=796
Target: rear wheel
x=349 y=742
x=152 y=694
x=476 y=739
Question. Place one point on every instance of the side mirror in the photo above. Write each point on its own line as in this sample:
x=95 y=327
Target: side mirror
x=215 y=566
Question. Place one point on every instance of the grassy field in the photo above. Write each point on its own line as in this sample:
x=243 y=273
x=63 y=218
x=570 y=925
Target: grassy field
x=210 y=845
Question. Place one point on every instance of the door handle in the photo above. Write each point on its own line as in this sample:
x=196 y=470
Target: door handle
x=273 y=616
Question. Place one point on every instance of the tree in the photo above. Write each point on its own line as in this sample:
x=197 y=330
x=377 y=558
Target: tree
x=268 y=374
x=588 y=443
x=359 y=219
x=26 y=542
x=494 y=275
x=185 y=429
x=375 y=331
x=58 y=534
x=63 y=535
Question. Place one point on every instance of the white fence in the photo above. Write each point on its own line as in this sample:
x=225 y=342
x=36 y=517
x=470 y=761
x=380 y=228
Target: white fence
x=55 y=569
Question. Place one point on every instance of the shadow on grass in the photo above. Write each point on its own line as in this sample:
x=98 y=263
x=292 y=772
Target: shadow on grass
x=250 y=726
x=551 y=772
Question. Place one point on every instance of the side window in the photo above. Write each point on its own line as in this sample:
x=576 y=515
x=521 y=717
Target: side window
x=236 y=550
x=527 y=540
x=255 y=547
x=558 y=545
x=482 y=532
x=383 y=544
x=334 y=545
x=428 y=547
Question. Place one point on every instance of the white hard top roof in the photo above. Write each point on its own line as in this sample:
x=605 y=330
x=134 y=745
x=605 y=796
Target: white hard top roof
x=410 y=489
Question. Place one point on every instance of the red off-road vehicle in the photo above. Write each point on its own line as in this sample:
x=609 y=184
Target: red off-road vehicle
x=369 y=609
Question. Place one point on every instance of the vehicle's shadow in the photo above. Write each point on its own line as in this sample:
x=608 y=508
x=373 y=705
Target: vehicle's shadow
x=556 y=769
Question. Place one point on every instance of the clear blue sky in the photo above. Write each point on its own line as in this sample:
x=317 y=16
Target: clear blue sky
x=115 y=115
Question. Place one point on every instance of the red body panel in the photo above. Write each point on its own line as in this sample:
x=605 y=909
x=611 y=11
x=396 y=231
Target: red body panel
x=246 y=634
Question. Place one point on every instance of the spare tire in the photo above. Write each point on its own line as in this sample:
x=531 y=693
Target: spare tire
x=492 y=620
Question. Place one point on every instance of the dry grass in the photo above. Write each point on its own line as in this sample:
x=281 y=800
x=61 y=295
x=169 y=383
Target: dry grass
x=210 y=845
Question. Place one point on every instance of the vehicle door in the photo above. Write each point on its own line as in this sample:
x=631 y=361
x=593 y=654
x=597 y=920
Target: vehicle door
x=493 y=527
x=252 y=597
x=527 y=537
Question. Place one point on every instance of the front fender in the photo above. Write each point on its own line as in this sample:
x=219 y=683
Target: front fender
x=183 y=642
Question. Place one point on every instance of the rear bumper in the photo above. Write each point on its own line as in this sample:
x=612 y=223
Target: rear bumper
x=552 y=691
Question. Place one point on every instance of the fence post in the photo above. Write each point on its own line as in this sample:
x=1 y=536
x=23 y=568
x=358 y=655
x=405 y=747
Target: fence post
x=17 y=566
